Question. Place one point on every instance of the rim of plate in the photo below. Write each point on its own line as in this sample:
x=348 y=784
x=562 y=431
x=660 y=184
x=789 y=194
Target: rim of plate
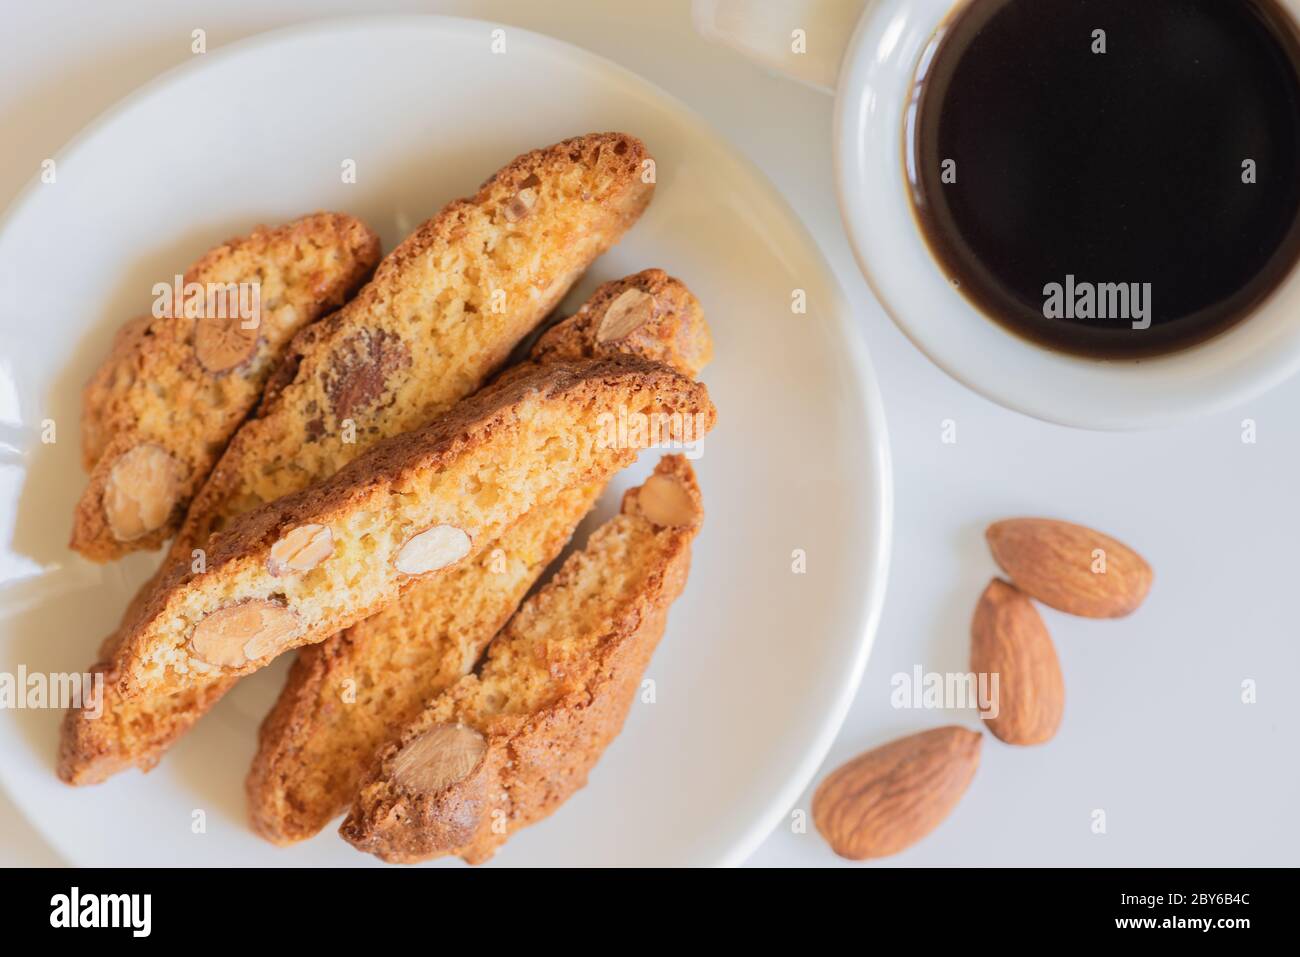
x=870 y=400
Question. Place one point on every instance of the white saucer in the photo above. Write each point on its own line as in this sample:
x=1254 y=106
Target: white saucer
x=759 y=664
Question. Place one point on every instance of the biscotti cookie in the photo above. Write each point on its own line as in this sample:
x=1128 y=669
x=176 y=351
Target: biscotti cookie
x=649 y=314
x=344 y=696
x=504 y=748
x=300 y=569
x=161 y=408
x=136 y=732
x=94 y=748
x=445 y=309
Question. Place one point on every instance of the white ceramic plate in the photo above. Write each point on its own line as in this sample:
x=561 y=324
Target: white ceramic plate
x=759 y=664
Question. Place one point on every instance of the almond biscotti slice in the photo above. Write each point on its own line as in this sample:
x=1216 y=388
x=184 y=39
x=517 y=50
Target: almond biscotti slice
x=443 y=312
x=649 y=314
x=161 y=408
x=444 y=309
x=302 y=568
x=136 y=732
x=506 y=747
x=345 y=696
x=126 y=735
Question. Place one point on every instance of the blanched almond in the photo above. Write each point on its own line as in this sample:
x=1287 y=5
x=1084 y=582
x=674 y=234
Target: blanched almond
x=629 y=312
x=141 y=490
x=663 y=500
x=300 y=550
x=231 y=637
x=432 y=549
x=438 y=758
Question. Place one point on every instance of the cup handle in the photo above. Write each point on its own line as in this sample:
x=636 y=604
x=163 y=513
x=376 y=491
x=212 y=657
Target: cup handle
x=769 y=34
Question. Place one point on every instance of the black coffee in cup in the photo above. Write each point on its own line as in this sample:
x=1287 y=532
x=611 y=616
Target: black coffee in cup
x=1113 y=178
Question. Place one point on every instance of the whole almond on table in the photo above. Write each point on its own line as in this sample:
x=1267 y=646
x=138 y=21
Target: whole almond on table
x=1071 y=568
x=1009 y=639
x=886 y=800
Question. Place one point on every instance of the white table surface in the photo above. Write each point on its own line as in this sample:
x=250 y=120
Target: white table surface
x=1155 y=733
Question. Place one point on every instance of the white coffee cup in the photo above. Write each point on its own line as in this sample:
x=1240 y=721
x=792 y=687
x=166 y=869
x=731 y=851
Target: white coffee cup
x=867 y=55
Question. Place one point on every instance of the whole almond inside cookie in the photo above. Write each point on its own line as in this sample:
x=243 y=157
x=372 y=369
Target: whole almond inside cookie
x=142 y=488
x=665 y=501
x=300 y=550
x=359 y=369
x=438 y=758
x=236 y=634
x=629 y=312
x=222 y=343
x=432 y=549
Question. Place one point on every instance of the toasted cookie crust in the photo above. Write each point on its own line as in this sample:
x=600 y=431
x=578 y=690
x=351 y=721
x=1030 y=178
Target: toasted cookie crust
x=504 y=748
x=414 y=504
x=161 y=408
x=344 y=697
